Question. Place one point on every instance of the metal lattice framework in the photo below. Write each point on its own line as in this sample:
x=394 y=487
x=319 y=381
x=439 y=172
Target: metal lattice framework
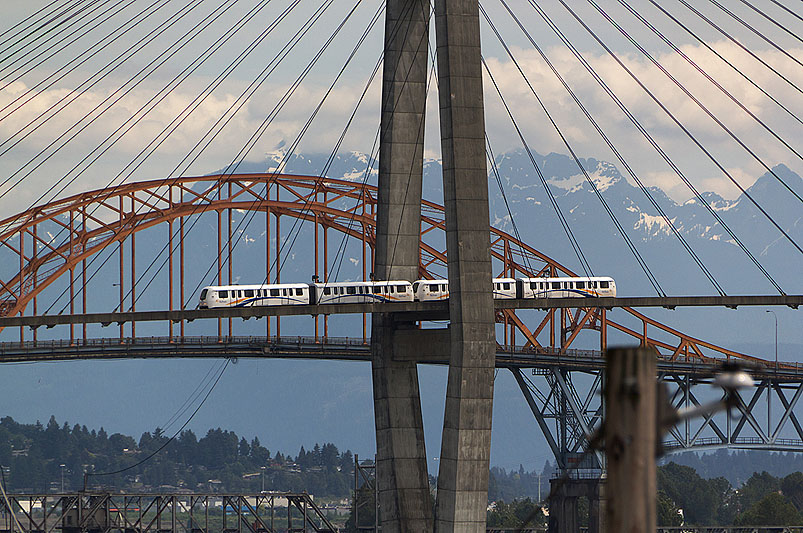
x=91 y=222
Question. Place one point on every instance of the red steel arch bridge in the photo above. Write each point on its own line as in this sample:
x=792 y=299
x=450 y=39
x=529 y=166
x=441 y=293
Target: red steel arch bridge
x=50 y=276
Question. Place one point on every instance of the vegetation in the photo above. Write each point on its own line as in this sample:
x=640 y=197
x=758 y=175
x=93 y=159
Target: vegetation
x=35 y=458
x=763 y=500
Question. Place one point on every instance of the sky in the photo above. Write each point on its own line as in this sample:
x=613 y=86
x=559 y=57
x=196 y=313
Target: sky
x=82 y=78
x=45 y=166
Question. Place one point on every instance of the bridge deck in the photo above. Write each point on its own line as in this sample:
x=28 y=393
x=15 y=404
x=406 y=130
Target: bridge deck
x=404 y=310
x=335 y=348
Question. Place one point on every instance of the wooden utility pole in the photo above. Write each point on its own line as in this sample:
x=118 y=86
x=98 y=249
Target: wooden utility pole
x=630 y=440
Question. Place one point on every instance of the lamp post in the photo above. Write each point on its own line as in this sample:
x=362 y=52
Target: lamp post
x=263 y=477
x=62 y=477
x=776 y=337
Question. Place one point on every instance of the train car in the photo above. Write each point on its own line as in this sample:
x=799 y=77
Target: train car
x=504 y=288
x=568 y=287
x=254 y=295
x=431 y=290
x=346 y=292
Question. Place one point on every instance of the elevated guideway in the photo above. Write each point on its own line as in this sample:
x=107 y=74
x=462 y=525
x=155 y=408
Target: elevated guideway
x=403 y=310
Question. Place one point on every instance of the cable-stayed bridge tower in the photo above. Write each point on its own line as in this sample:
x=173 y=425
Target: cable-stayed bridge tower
x=466 y=440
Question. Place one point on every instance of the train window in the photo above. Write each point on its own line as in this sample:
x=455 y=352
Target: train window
x=203 y=294
x=274 y=292
x=222 y=294
x=401 y=288
x=444 y=287
x=533 y=285
x=351 y=290
x=299 y=291
x=603 y=284
x=327 y=290
x=507 y=286
x=556 y=284
x=581 y=284
x=391 y=288
x=249 y=293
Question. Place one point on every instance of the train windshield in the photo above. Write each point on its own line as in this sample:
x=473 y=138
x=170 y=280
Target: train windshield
x=203 y=294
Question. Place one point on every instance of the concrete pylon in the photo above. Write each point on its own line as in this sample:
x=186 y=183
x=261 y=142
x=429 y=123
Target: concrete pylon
x=403 y=486
x=466 y=442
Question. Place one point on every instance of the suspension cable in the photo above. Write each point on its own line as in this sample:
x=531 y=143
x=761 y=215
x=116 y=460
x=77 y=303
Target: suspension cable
x=60 y=44
x=240 y=101
x=725 y=60
x=639 y=259
x=564 y=223
x=696 y=100
x=740 y=45
x=651 y=140
x=616 y=152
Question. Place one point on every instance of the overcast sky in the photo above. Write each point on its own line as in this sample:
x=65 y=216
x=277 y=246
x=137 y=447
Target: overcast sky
x=30 y=87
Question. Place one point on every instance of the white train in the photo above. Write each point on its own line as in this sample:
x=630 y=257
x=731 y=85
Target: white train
x=423 y=290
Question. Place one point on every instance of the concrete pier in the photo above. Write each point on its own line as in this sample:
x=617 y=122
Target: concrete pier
x=403 y=486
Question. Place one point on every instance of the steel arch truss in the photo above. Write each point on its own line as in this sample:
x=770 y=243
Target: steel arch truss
x=92 y=221
x=88 y=223
x=763 y=417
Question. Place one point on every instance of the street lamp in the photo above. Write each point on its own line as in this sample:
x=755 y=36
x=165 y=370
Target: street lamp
x=776 y=337
x=263 y=477
x=62 y=477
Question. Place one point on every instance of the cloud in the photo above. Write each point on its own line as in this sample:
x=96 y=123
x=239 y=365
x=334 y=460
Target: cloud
x=236 y=140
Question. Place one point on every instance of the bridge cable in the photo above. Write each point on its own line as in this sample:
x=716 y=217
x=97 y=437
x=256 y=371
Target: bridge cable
x=133 y=118
x=696 y=100
x=652 y=141
x=295 y=229
x=160 y=96
x=271 y=116
x=730 y=97
x=45 y=16
x=171 y=439
x=773 y=21
x=758 y=33
x=230 y=169
x=189 y=6
x=340 y=253
x=639 y=259
x=674 y=118
x=725 y=60
x=241 y=100
x=60 y=44
x=525 y=255
x=238 y=103
x=740 y=45
x=39 y=88
x=616 y=152
x=56 y=20
x=561 y=218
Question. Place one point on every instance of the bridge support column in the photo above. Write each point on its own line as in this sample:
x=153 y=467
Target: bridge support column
x=403 y=484
x=466 y=440
x=563 y=499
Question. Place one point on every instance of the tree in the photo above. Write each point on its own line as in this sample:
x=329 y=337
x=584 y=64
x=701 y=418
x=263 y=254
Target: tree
x=668 y=513
x=792 y=488
x=772 y=510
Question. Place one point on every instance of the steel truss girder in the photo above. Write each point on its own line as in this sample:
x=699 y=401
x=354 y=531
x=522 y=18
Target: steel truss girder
x=763 y=419
x=567 y=418
x=267 y=512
